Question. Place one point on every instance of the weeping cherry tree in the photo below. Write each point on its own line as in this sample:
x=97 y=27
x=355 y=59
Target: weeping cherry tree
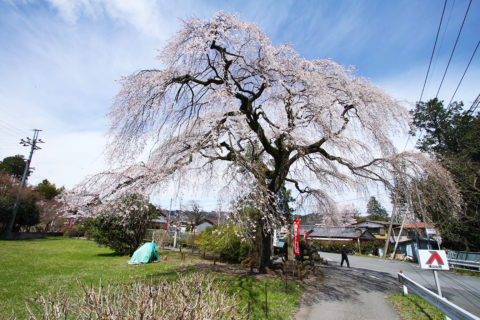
x=228 y=103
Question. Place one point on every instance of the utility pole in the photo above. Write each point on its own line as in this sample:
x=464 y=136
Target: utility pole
x=33 y=144
x=435 y=274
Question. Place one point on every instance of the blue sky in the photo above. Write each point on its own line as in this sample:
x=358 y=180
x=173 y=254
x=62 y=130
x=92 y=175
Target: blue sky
x=60 y=59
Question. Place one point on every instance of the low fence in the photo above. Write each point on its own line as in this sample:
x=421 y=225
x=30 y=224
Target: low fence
x=464 y=260
x=451 y=310
x=162 y=233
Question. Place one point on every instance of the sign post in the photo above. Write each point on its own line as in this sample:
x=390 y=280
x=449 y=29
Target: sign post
x=434 y=260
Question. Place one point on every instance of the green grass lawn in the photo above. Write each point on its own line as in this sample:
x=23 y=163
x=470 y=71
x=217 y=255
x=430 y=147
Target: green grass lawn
x=412 y=307
x=53 y=264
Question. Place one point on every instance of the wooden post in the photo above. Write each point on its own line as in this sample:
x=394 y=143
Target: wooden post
x=387 y=241
x=214 y=260
x=359 y=246
x=266 y=301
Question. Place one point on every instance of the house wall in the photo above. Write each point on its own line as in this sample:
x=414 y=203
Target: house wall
x=201 y=227
x=157 y=225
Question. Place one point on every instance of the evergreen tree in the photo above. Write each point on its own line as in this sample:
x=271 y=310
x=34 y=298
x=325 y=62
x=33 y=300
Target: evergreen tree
x=451 y=135
x=376 y=211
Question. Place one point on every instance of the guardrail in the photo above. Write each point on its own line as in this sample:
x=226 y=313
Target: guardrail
x=470 y=260
x=464 y=263
x=451 y=310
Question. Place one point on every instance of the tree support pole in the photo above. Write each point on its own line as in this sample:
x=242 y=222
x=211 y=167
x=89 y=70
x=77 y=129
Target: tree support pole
x=387 y=241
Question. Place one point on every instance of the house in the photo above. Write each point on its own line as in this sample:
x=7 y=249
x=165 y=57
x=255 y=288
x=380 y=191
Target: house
x=409 y=229
x=407 y=243
x=408 y=248
x=338 y=234
x=378 y=228
x=160 y=222
x=204 y=224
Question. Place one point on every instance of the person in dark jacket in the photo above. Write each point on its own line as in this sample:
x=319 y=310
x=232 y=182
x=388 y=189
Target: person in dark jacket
x=344 y=256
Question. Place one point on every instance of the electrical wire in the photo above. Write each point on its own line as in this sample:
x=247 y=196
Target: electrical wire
x=13 y=128
x=429 y=65
x=468 y=65
x=474 y=106
x=433 y=51
x=8 y=131
x=443 y=35
x=453 y=50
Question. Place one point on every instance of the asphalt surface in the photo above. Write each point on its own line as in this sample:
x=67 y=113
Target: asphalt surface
x=359 y=292
x=350 y=293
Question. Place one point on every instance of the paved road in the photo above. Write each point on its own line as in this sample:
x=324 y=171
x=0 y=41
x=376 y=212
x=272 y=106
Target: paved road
x=350 y=293
x=461 y=289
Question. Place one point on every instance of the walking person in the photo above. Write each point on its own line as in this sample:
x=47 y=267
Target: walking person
x=344 y=256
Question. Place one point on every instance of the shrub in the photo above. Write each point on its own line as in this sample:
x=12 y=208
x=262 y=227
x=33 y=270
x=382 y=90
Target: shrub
x=72 y=232
x=87 y=228
x=183 y=242
x=190 y=297
x=335 y=246
x=122 y=227
x=224 y=240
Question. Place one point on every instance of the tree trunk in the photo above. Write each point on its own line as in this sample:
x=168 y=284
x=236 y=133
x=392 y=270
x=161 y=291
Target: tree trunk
x=265 y=252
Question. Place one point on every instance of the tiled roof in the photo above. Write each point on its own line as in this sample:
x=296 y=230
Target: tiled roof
x=335 y=232
x=419 y=225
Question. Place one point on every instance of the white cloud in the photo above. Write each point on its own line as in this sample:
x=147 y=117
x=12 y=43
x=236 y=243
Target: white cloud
x=150 y=17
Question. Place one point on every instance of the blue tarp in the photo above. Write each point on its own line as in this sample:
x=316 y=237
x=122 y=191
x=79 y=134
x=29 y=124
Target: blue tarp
x=145 y=254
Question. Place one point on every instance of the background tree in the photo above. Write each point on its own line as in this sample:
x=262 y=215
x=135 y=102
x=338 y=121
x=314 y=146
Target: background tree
x=28 y=211
x=14 y=166
x=48 y=190
x=225 y=240
x=195 y=215
x=122 y=225
x=451 y=135
x=225 y=87
x=348 y=215
x=375 y=210
x=51 y=214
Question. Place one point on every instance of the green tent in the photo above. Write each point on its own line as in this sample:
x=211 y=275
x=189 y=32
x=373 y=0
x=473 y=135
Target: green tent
x=145 y=254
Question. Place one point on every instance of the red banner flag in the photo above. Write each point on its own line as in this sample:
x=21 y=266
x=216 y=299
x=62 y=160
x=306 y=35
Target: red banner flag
x=296 y=237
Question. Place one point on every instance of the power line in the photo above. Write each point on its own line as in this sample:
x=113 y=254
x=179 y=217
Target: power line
x=12 y=127
x=474 y=105
x=433 y=51
x=468 y=65
x=429 y=64
x=454 y=47
x=9 y=132
x=446 y=23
